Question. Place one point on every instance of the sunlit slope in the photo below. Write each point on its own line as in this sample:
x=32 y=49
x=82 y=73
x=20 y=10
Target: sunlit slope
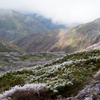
x=68 y=40
x=8 y=47
x=40 y=43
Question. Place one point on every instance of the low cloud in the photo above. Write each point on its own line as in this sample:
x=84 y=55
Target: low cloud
x=63 y=11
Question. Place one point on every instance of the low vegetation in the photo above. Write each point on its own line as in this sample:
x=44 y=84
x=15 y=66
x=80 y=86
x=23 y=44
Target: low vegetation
x=18 y=60
x=65 y=76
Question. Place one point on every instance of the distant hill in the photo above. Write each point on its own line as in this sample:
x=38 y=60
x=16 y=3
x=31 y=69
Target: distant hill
x=14 y=25
x=46 y=22
x=68 y=40
x=8 y=47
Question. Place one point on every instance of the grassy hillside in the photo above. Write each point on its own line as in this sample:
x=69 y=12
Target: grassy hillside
x=65 y=76
x=38 y=43
x=14 y=25
x=8 y=47
x=68 y=40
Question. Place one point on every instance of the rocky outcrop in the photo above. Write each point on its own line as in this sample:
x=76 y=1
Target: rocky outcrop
x=90 y=92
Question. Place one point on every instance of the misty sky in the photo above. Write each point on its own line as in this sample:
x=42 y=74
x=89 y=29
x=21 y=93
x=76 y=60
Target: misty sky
x=65 y=11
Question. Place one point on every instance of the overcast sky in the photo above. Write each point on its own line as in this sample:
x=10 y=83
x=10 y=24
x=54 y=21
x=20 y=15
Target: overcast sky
x=66 y=11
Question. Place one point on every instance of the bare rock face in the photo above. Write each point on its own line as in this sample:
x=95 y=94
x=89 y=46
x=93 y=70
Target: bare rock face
x=90 y=92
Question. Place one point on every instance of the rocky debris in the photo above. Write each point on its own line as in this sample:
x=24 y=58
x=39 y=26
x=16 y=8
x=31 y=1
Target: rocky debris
x=97 y=75
x=90 y=92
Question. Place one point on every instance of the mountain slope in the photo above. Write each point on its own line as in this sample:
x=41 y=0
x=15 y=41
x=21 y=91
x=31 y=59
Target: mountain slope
x=65 y=76
x=14 y=25
x=40 y=43
x=67 y=40
x=47 y=22
x=8 y=47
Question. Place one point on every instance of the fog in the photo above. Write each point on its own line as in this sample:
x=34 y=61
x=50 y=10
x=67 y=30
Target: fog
x=62 y=11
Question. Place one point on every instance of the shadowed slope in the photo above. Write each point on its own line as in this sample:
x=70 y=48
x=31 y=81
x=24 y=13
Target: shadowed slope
x=14 y=25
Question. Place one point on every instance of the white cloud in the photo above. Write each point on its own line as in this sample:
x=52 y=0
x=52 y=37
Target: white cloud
x=66 y=11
